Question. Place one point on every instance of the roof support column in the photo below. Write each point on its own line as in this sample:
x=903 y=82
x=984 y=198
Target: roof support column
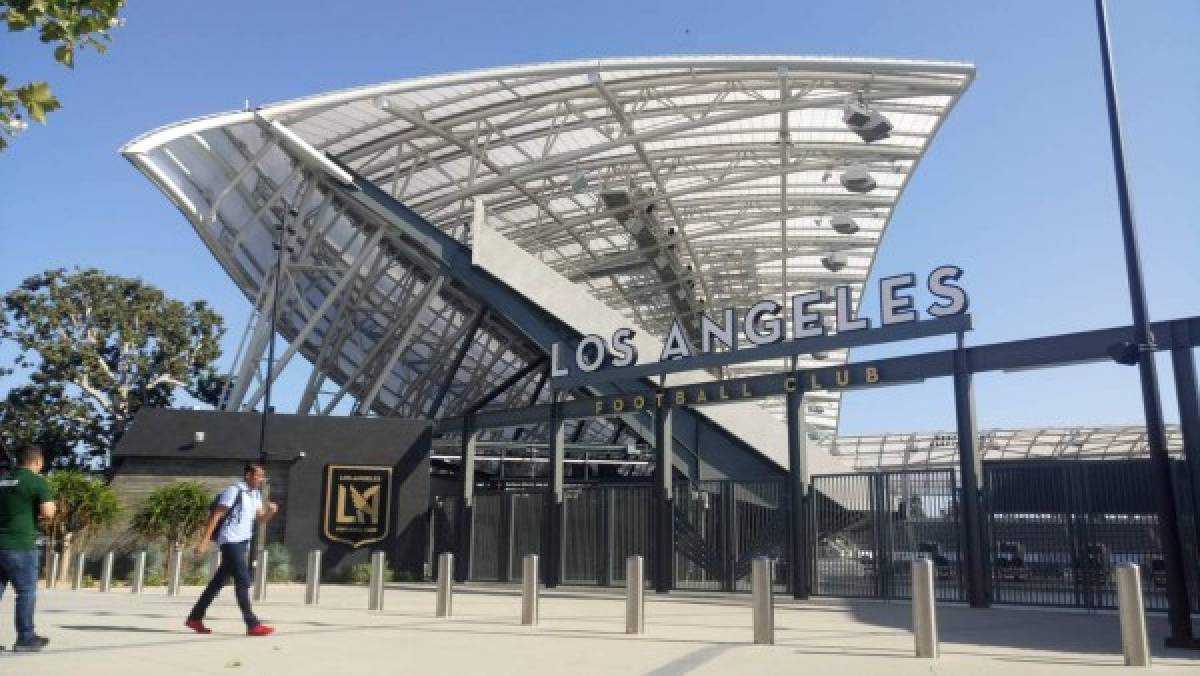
x=466 y=503
x=969 y=470
x=556 y=504
x=798 y=484
x=664 y=512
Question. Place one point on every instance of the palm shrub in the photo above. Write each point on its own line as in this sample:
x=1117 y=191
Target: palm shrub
x=175 y=512
x=279 y=563
x=86 y=505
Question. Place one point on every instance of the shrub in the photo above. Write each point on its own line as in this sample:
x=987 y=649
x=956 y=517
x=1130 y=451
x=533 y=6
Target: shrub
x=175 y=512
x=85 y=504
x=279 y=563
x=359 y=573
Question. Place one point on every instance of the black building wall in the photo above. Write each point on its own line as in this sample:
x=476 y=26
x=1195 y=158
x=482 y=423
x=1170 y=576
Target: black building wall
x=160 y=447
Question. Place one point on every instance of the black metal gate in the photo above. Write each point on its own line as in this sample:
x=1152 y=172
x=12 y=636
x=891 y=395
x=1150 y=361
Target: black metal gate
x=603 y=526
x=721 y=526
x=1056 y=529
x=870 y=527
x=507 y=525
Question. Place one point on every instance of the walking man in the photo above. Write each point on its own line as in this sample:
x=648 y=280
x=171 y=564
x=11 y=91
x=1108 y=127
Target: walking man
x=25 y=496
x=231 y=524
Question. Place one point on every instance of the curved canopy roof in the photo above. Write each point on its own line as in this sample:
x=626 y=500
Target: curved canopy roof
x=662 y=186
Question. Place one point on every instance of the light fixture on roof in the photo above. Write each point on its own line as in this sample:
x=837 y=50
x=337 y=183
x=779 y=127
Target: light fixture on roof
x=834 y=261
x=578 y=180
x=382 y=102
x=868 y=124
x=856 y=178
x=843 y=224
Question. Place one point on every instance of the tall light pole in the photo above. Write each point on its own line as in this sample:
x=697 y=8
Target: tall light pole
x=1141 y=352
x=281 y=245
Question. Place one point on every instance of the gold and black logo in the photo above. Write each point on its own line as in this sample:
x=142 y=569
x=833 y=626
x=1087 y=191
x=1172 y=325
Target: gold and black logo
x=357 y=504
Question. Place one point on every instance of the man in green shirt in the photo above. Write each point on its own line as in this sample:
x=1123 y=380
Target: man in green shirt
x=25 y=497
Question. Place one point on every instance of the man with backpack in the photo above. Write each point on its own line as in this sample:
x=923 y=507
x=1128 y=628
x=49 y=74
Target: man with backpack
x=25 y=498
x=231 y=525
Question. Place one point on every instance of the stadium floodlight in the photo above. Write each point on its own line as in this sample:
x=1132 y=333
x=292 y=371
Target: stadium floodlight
x=856 y=178
x=578 y=180
x=843 y=224
x=868 y=124
x=382 y=102
x=834 y=261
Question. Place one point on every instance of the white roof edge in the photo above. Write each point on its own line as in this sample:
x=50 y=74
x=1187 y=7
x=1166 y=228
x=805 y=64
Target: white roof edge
x=156 y=137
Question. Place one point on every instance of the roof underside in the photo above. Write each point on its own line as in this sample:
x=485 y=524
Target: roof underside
x=663 y=187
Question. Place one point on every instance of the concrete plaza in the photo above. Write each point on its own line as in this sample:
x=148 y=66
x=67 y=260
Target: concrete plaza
x=581 y=632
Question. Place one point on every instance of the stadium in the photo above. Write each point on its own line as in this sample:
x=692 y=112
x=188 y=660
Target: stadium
x=424 y=244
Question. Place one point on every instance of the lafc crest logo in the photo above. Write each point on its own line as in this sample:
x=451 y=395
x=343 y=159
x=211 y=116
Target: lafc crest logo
x=357 y=504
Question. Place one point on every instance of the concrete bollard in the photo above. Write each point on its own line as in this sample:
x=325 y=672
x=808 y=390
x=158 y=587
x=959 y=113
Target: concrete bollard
x=80 y=562
x=924 y=609
x=138 y=583
x=763 y=601
x=375 y=583
x=312 y=579
x=1134 y=643
x=260 y=576
x=64 y=567
x=529 y=589
x=635 y=595
x=445 y=585
x=175 y=572
x=52 y=571
x=106 y=575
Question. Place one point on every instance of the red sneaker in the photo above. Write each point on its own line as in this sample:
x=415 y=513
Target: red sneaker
x=197 y=626
x=260 y=630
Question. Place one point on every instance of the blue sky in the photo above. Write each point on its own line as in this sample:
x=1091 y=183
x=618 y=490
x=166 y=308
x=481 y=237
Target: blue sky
x=1017 y=188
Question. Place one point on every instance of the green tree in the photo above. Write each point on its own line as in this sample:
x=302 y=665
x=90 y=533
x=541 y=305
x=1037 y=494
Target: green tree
x=175 y=512
x=45 y=416
x=67 y=25
x=97 y=348
x=86 y=505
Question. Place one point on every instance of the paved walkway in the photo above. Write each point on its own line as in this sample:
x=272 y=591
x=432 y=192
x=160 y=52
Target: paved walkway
x=581 y=632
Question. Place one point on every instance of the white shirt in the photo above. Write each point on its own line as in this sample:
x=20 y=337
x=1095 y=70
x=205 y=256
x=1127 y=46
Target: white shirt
x=239 y=526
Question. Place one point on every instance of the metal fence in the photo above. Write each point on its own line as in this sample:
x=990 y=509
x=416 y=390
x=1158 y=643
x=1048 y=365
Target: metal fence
x=1053 y=532
x=870 y=527
x=1056 y=530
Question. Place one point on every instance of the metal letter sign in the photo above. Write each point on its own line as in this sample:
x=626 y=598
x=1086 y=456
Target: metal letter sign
x=358 y=501
x=597 y=359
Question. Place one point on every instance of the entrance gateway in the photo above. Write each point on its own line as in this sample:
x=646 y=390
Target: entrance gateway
x=599 y=359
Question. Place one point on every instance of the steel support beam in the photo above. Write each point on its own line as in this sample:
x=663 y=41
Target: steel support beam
x=369 y=250
x=664 y=513
x=253 y=354
x=1183 y=365
x=504 y=386
x=969 y=473
x=798 y=482
x=427 y=296
x=468 y=338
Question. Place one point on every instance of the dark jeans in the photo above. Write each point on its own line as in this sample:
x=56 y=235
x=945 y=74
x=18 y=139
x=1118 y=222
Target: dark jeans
x=21 y=569
x=233 y=564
